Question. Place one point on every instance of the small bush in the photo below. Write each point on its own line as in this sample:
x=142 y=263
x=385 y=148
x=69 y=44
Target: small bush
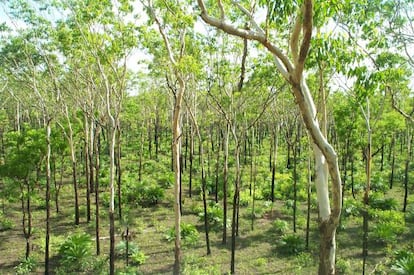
x=5 y=223
x=189 y=234
x=75 y=252
x=26 y=266
x=304 y=259
x=390 y=224
x=291 y=244
x=342 y=266
x=215 y=216
x=146 y=193
x=280 y=226
x=138 y=258
x=410 y=212
x=404 y=262
x=351 y=208
x=120 y=249
x=379 y=202
x=245 y=198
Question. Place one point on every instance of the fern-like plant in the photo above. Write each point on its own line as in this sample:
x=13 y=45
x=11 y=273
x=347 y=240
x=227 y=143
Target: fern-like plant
x=75 y=252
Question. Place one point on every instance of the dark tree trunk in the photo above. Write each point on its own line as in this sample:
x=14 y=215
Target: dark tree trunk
x=392 y=162
x=75 y=189
x=118 y=171
x=97 y=150
x=234 y=223
x=141 y=151
x=190 y=180
x=225 y=178
x=308 y=205
x=216 y=189
x=86 y=147
x=48 y=183
x=407 y=165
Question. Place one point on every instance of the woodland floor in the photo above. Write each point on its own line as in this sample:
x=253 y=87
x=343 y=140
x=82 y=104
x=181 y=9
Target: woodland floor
x=256 y=249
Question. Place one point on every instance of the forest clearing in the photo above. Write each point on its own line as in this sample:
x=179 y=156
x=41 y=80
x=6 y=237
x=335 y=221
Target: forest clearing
x=206 y=137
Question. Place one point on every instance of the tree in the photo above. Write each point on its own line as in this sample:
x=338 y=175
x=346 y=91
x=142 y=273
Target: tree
x=292 y=69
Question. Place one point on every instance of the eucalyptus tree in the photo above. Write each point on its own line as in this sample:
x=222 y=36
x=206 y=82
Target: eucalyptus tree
x=36 y=58
x=292 y=69
x=173 y=24
x=98 y=29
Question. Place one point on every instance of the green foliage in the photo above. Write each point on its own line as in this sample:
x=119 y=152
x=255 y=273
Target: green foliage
x=146 y=193
x=189 y=234
x=280 y=226
x=245 y=198
x=342 y=266
x=25 y=150
x=404 y=262
x=26 y=266
x=304 y=259
x=389 y=225
x=5 y=223
x=214 y=215
x=194 y=265
x=120 y=248
x=409 y=215
x=291 y=244
x=75 y=252
x=379 y=183
x=377 y=201
x=136 y=256
x=351 y=207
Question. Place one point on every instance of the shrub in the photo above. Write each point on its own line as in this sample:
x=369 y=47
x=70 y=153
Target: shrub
x=75 y=252
x=214 y=215
x=5 y=223
x=379 y=202
x=189 y=234
x=404 y=262
x=138 y=258
x=280 y=226
x=26 y=266
x=304 y=259
x=291 y=244
x=410 y=212
x=351 y=208
x=342 y=266
x=146 y=193
x=245 y=198
x=120 y=248
x=390 y=224
x=166 y=179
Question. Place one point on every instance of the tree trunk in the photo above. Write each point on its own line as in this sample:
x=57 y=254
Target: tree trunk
x=48 y=179
x=118 y=171
x=234 y=224
x=217 y=175
x=368 y=159
x=112 y=138
x=97 y=150
x=190 y=180
x=225 y=179
x=86 y=154
x=176 y=128
x=308 y=208
x=407 y=164
x=392 y=161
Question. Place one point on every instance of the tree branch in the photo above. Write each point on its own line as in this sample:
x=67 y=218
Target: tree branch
x=307 y=35
x=284 y=65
